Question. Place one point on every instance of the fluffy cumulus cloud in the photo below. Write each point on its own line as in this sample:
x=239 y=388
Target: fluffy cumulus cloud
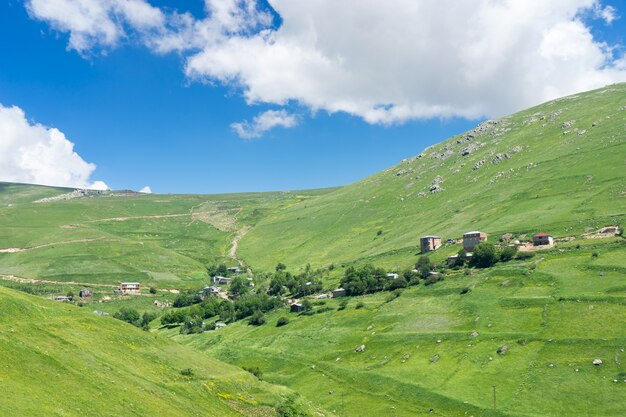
x=146 y=190
x=32 y=153
x=98 y=22
x=383 y=61
x=264 y=122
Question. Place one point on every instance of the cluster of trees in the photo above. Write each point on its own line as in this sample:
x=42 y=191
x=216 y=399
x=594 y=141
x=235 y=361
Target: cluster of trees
x=486 y=254
x=299 y=285
x=132 y=316
x=368 y=279
x=192 y=317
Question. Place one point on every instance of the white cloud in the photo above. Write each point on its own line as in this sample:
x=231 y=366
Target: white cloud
x=98 y=185
x=607 y=13
x=32 y=153
x=383 y=61
x=264 y=122
x=146 y=190
x=97 y=22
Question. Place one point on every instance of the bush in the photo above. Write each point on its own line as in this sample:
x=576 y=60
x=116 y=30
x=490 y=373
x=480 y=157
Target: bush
x=433 y=278
x=392 y=296
x=188 y=372
x=465 y=290
x=594 y=254
x=524 y=255
x=290 y=408
x=380 y=232
x=282 y=321
x=342 y=305
x=153 y=290
x=254 y=370
x=129 y=315
x=257 y=319
x=507 y=253
x=359 y=305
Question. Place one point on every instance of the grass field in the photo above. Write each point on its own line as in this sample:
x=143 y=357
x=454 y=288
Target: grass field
x=163 y=240
x=61 y=360
x=556 y=319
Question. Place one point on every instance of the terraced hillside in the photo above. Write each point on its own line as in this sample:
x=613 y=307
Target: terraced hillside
x=557 y=167
x=61 y=360
x=530 y=328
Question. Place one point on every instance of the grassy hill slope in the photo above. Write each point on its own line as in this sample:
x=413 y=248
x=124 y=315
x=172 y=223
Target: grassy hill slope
x=60 y=360
x=557 y=167
x=434 y=349
x=155 y=239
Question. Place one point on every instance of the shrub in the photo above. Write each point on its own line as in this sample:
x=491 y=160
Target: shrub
x=465 y=290
x=129 y=315
x=524 y=255
x=257 y=319
x=290 y=408
x=153 y=290
x=594 y=254
x=342 y=305
x=380 y=232
x=507 y=253
x=433 y=278
x=359 y=305
x=188 y=372
x=393 y=295
x=254 y=370
x=282 y=321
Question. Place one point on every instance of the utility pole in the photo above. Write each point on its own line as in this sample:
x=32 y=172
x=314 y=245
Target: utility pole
x=494 y=397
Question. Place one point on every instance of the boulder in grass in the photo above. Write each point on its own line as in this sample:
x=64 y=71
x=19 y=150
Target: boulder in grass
x=503 y=349
x=597 y=362
x=360 y=348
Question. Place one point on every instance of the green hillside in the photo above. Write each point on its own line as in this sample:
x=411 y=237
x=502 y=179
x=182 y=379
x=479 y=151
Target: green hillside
x=111 y=237
x=60 y=360
x=434 y=349
x=557 y=167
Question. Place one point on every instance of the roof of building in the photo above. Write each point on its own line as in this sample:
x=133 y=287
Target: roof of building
x=431 y=237
x=542 y=235
x=474 y=232
x=129 y=283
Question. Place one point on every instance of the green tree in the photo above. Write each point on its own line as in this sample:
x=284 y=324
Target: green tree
x=485 y=255
x=239 y=286
x=424 y=266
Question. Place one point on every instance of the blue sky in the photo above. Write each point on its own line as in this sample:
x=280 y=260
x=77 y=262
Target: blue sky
x=148 y=117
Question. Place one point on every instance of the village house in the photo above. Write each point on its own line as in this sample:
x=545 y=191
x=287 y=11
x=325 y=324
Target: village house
x=472 y=239
x=85 y=293
x=130 y=288
x=233 y=269
x=63 y=298
x=339 y=292
x=543 y=239
x=430 y=243
x=220 y=280
x=296 y=308
x=393 y=275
